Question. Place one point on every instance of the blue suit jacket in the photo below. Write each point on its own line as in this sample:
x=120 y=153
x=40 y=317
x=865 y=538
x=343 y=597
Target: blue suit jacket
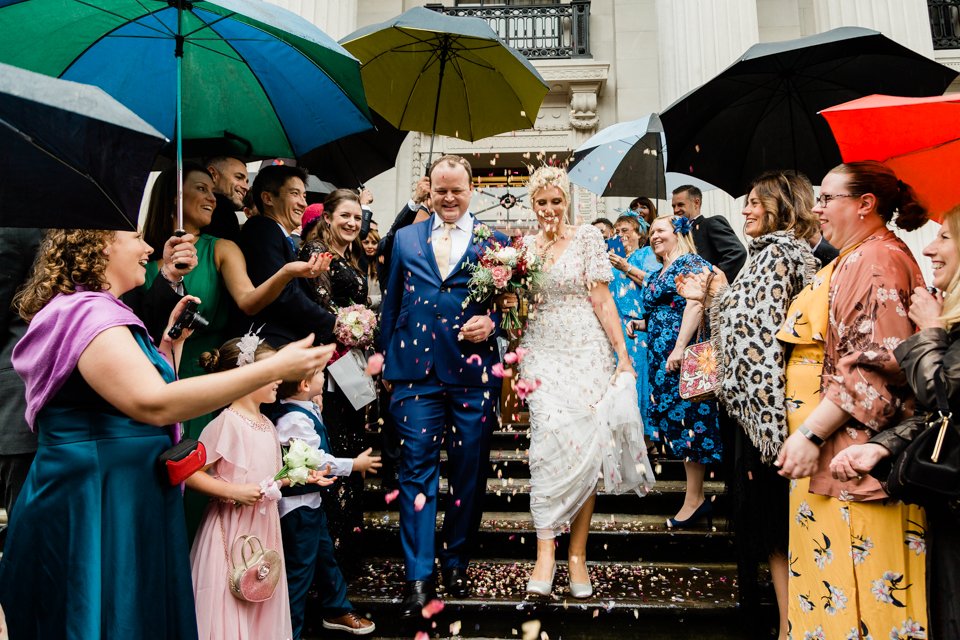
x=421 y=314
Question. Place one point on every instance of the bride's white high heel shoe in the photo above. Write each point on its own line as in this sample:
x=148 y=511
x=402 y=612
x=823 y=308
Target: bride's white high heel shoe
x=542 y=587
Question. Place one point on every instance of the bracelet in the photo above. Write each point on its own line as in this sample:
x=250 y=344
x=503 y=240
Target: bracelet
x=810 y=435
x=163 y=274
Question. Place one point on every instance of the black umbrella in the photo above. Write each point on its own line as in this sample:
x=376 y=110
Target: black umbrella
x=351 y=161
x=73 y=157
x=760 y=113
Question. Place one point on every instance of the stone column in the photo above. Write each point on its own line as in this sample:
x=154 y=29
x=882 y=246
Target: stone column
x=336 y=19
x=697 y=39
x=904 y=21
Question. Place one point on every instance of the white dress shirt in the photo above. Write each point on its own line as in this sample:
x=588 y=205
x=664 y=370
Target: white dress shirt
x=296 y=426
x=460 y=237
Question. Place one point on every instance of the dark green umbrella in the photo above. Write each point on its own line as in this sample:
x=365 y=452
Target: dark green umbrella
x=430 y=72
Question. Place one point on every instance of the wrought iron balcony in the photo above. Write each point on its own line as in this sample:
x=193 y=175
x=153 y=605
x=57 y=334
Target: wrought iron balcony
x=536 y=30
x=945 y=23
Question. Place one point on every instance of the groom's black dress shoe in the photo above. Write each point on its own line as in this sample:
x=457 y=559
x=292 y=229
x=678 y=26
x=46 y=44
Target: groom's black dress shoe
x=416 y=594
x=455 y=582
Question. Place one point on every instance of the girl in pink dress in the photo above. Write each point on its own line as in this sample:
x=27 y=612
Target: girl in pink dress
x=243 y=455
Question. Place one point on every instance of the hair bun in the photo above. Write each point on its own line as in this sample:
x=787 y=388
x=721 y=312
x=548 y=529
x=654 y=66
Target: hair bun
x=209 y=360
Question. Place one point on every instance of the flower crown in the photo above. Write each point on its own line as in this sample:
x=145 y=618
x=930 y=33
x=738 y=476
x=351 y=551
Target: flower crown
x=248 y=346
x=681 y=226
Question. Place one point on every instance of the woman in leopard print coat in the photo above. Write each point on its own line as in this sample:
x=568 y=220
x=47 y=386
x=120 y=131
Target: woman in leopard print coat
x=745 y=317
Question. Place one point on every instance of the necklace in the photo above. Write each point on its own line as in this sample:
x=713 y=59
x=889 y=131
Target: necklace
x=260 y=425
x=545 y=253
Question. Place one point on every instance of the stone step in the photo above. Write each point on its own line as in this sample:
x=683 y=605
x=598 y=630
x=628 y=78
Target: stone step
x=513 y=494
x=631 y=599
x=619 y=536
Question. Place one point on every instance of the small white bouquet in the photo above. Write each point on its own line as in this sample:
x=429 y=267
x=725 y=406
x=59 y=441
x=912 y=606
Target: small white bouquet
x=298 y=461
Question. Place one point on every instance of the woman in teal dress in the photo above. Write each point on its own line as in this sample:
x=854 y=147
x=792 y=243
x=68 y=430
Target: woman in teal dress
x=219 y=275
x=98 y=548
x=629 y=275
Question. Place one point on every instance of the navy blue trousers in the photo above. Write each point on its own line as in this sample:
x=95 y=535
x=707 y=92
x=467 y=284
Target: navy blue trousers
x=429 y=414
x=308 y=553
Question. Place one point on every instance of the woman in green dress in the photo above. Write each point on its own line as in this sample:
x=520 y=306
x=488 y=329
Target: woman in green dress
x=220 y=274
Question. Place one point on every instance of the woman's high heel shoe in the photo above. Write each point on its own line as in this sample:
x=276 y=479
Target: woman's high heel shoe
x=581 y=590
x=705 y=510
x=542 y=587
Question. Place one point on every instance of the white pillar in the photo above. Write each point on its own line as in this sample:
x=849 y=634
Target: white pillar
x=697 y=39
x=336 y=19
x=904 y=21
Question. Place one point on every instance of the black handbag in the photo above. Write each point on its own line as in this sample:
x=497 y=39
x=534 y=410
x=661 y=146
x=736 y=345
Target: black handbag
x=927 y=471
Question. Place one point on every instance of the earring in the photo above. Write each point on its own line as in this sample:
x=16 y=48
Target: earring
x=862 y=216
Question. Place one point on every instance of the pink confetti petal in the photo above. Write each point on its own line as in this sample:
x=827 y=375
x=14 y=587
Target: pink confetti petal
x=421 y=635
x=419 y=501
x=510 y=357
x=390 y=497
x=521 y=353
x=498 y=371
x=475 y=358
x=374 y=364
x=432 y=608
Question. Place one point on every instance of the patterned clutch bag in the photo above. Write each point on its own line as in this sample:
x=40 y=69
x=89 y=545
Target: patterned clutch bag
x=699 y=371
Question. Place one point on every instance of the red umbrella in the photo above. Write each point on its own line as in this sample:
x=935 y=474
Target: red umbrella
x=919 y=138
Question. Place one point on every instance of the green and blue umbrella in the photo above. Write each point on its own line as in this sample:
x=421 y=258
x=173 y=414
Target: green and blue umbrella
x=197 y=69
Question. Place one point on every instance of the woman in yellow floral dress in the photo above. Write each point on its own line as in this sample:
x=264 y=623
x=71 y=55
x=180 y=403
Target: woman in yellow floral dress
x=856 y=558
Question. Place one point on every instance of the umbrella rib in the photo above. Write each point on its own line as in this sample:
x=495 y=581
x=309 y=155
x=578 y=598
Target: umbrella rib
x=29 y=140
x=161 y=30
x=466 y=96
x=413 y=89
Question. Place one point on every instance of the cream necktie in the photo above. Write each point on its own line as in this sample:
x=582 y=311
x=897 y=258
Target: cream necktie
x=441 y=248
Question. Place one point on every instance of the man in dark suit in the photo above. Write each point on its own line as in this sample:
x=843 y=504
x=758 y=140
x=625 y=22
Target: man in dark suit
x=230 y=185
x=439 y=348
x=280 y=195
x=714 y=237
x=18 y=248
x=823 y=250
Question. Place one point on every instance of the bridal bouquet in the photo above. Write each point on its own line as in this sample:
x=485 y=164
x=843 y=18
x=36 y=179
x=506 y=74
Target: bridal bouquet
x=298 y=461
x=355 y=326
x=513 y=268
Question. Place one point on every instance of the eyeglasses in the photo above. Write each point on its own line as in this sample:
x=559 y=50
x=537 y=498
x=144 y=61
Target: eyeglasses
x=824 y=199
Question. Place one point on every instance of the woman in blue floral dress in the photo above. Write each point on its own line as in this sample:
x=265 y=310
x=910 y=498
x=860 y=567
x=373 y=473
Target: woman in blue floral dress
x=689 y=429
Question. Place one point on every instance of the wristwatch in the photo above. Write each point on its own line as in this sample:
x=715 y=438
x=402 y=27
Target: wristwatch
x=810 y=435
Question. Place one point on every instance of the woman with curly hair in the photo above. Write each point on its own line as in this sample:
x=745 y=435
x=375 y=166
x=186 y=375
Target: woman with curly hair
x=345 y=284
x=94 y=512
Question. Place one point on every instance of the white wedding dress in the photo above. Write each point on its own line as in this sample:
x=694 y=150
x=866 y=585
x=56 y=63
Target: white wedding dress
x=584 y=426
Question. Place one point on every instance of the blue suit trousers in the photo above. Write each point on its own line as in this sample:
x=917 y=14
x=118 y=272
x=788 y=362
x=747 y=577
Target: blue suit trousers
x=429 y=414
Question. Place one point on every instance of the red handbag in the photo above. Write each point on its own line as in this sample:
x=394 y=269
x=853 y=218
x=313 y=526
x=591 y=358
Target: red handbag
x=183 y=459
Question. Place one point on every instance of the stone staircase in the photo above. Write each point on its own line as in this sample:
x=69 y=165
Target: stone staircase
x=649 y=581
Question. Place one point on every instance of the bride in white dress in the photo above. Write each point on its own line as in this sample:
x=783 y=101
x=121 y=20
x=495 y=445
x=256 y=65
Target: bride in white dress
x=584 y=418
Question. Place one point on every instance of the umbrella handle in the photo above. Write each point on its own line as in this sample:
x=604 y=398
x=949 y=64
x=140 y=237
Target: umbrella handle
x=180 y=233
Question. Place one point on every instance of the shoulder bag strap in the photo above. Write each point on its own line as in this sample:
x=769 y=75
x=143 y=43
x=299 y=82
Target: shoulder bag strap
x=943 y=409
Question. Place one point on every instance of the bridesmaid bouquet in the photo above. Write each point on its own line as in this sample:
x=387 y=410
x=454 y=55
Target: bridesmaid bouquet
x=298 y=461
x=513 y=268
x=355 y=326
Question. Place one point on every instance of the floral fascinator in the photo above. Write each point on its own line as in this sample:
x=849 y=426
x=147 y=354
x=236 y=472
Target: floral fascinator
x=681 y=226
x=248 y=347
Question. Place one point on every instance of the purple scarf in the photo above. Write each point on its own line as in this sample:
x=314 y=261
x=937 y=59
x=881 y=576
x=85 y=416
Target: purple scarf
x=60 y=332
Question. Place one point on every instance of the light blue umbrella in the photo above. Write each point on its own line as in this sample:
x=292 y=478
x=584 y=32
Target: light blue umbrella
x=625 y=159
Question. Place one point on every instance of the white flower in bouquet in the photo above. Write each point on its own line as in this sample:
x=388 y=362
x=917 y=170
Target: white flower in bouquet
x=298 y=476
x=298 y=454
x=508 y=256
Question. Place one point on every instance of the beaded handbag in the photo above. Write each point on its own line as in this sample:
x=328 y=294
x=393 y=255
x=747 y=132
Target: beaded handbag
x=699 y=367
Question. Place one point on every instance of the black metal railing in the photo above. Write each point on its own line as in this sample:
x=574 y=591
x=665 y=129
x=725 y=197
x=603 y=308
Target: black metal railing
x=536 y=30
x=945 y=23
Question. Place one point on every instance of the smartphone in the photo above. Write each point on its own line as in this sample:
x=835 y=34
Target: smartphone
x=615 y=244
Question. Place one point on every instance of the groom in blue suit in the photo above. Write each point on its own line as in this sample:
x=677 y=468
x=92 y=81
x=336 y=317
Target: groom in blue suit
x=439 y=349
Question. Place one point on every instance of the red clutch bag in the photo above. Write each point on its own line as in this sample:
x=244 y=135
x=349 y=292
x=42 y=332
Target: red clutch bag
x=182 y=460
